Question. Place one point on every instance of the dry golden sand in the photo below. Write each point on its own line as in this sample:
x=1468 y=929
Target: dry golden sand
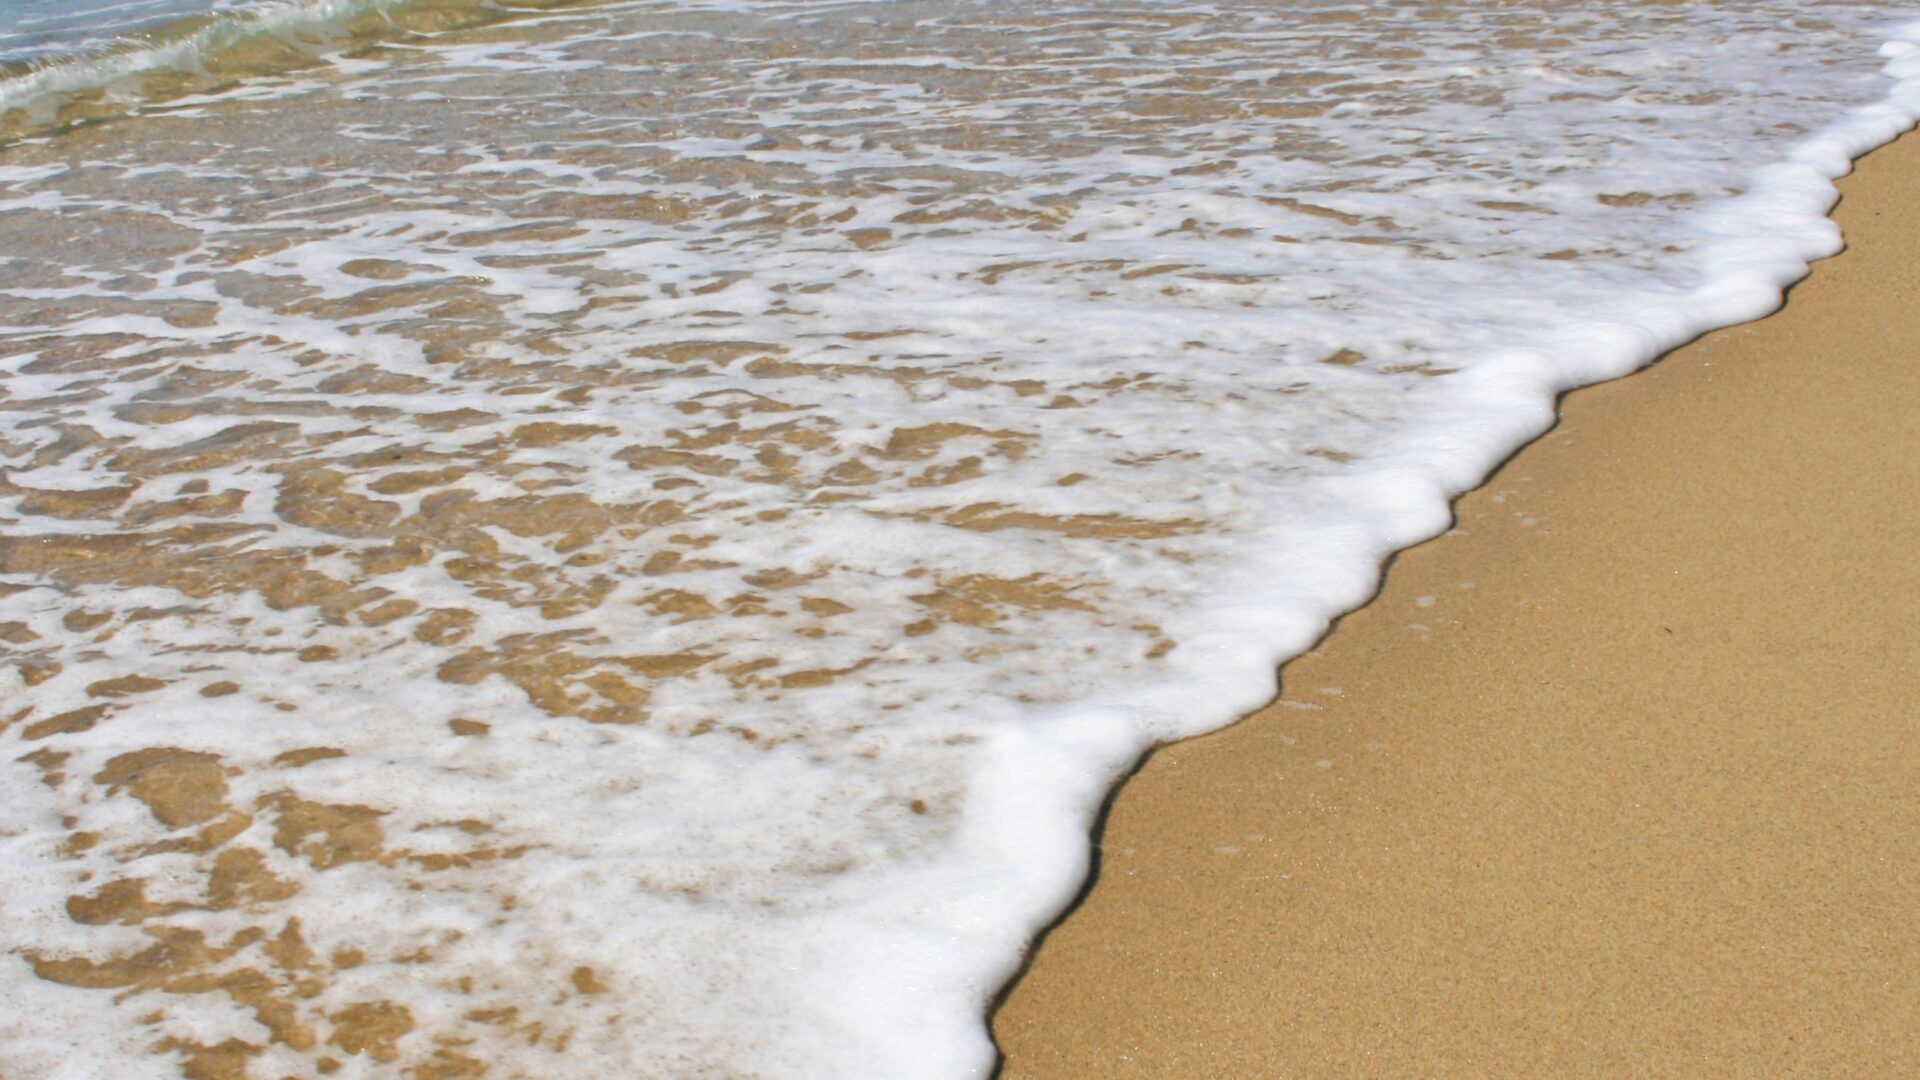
x=1622 y=778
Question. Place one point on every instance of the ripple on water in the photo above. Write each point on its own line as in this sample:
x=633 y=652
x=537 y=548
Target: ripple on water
x=514 y=533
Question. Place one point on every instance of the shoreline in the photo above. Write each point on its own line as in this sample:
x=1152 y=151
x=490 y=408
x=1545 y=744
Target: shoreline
x=1616 y=775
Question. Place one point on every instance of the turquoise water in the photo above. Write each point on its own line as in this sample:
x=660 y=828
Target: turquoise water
x=36 y=29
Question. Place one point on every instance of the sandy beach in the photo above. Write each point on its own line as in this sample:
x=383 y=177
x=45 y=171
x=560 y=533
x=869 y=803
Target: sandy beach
x=619 y=540
x=1621 y=777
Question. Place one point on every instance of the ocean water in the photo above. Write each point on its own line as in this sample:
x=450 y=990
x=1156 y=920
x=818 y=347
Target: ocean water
x=44 y=29
x=38 y=33
x=629 y=539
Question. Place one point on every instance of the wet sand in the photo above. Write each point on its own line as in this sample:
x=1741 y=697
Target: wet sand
x=1620 y=778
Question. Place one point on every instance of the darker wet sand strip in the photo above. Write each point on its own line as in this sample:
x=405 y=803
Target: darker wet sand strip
x=1623 y=778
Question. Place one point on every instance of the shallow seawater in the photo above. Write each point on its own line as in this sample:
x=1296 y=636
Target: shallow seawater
x=40 y=29
x=628 y=539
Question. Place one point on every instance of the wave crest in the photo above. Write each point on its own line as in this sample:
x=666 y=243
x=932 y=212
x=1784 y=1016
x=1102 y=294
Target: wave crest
x=208 y=52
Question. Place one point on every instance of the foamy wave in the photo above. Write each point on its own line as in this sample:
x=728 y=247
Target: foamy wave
x=631 y=545
x=271 y=38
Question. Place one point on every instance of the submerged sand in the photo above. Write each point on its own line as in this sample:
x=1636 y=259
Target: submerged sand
x=1621 y=777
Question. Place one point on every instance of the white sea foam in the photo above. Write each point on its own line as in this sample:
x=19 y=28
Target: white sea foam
x=634 y=544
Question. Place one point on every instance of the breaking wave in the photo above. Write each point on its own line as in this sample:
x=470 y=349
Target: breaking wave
x=216 y=50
